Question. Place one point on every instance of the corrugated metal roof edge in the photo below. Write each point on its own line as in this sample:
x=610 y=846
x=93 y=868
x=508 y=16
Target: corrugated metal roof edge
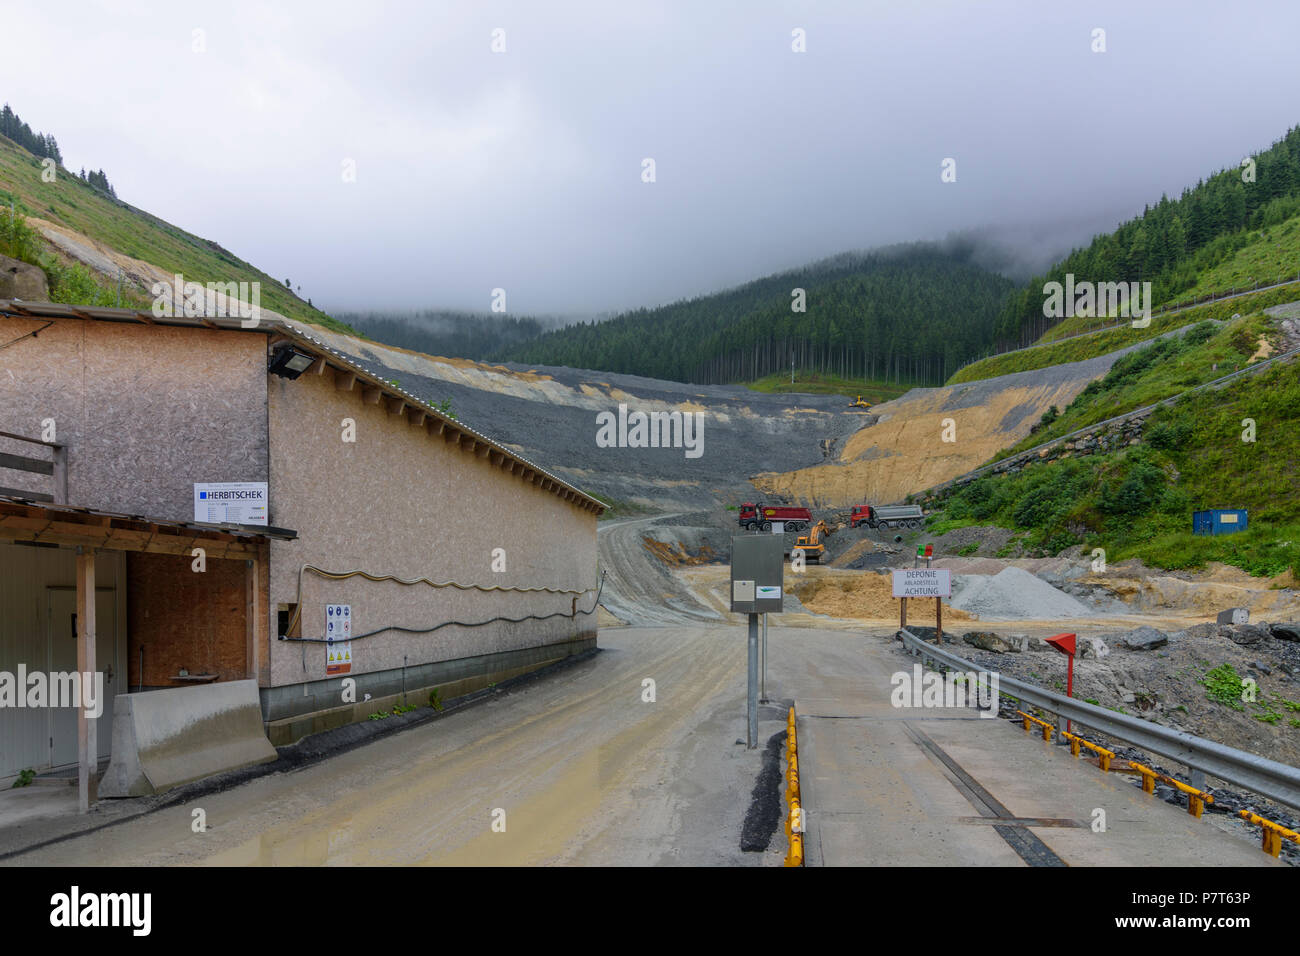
x=50 y=310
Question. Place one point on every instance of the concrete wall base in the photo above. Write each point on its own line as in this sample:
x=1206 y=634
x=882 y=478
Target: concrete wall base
x=451 y=679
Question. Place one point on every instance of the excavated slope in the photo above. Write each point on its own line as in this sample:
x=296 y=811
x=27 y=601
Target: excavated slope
x=904 y=451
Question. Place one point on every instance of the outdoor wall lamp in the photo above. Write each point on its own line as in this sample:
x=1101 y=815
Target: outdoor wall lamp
x=289 y=362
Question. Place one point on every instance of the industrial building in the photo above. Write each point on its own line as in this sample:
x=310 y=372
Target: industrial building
x=221 y=506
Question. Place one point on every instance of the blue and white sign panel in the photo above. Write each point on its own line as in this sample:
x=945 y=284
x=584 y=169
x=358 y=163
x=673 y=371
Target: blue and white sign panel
x=230 y=502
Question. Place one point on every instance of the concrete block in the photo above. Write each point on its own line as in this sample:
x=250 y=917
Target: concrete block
x=165 y=738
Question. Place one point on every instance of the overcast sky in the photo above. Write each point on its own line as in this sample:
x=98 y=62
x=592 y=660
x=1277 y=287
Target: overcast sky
x=523 y=169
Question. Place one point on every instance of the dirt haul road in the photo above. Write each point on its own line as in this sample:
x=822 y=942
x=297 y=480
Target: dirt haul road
x=586 y=770
x=589 y=772
x=639 y=589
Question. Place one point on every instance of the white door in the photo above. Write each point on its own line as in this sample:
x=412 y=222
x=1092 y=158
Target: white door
x=62 y=631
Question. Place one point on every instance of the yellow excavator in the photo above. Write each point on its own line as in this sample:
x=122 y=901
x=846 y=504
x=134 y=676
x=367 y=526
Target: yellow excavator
x=810 y=544
x=859 y=403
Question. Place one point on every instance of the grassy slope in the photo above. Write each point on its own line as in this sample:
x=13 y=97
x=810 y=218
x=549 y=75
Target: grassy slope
x=820 y=383
x=71 y=203
x=1090 y=346
x=1205 y=352
x=1137 y=502
x=1267 y=255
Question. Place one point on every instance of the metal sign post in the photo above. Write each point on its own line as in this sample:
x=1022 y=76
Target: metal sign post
x=757 y=586
x=762 y=686
x=1065 y=643
x=752 y=709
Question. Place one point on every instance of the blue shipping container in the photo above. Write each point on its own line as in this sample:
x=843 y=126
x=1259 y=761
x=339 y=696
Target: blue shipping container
x=1219 y=521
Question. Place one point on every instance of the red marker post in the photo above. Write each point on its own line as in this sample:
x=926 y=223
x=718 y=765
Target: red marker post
x=1065 y=644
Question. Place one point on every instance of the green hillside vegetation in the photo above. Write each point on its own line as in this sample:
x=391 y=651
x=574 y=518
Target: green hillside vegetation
x=818 y=383
x=77 y=205
x=1176 y=243
x=1137 y=501
x=1085 y=347
x=1266 y=256
x=1251 y=257
x=1157 y=371
x=907 y=314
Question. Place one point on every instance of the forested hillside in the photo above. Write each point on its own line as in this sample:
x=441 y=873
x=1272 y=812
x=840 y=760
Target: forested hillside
x=459 y=334
x=1174 y=242
x=910 y=313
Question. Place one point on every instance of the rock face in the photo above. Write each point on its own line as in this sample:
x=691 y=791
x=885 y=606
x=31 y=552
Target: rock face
x=986 y=641
x=1144 y=639
x=20 y=280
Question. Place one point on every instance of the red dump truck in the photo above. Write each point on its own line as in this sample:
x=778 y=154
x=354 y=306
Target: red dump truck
x=887 y=516
x=760 y=516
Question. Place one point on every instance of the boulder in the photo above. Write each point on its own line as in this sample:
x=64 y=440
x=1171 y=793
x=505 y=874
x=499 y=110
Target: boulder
x=1285 y=631
x=20 y=280
x=1234 y=615
x=1092 y=648
x=1144 y=638
x=986 y=641
x=1019 y=643
x=1244 y=634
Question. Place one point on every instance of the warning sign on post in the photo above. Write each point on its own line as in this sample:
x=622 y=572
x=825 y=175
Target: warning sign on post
x=922 y=583
x=338 y=634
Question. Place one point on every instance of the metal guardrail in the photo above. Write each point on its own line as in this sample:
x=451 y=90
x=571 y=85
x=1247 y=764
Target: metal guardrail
x=1268 y=778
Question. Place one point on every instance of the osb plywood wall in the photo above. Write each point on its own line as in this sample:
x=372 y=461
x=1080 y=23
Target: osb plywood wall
x=185 y=619
x=146 y=411
x=397 y=501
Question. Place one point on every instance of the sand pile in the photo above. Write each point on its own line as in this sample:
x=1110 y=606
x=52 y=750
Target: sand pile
x=864 y=595
x=1014 y=594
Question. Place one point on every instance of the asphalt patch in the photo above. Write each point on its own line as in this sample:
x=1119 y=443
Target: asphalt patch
x=764 y=814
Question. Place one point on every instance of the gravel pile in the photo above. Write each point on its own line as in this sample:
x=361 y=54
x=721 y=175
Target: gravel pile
x=1013 y=594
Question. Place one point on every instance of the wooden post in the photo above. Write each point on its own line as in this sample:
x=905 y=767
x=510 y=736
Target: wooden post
x=938 y=620
x=87 y=742
x=60 y=474
x=902 y=614
x=250 y=618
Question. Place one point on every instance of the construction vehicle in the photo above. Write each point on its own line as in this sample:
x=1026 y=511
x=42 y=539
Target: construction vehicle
x=887 y=516
x=859 y=403
x=753 y=517
x=810 y=545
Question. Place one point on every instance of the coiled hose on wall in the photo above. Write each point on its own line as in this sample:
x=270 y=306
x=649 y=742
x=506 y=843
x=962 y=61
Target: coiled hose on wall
x=342 y=575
